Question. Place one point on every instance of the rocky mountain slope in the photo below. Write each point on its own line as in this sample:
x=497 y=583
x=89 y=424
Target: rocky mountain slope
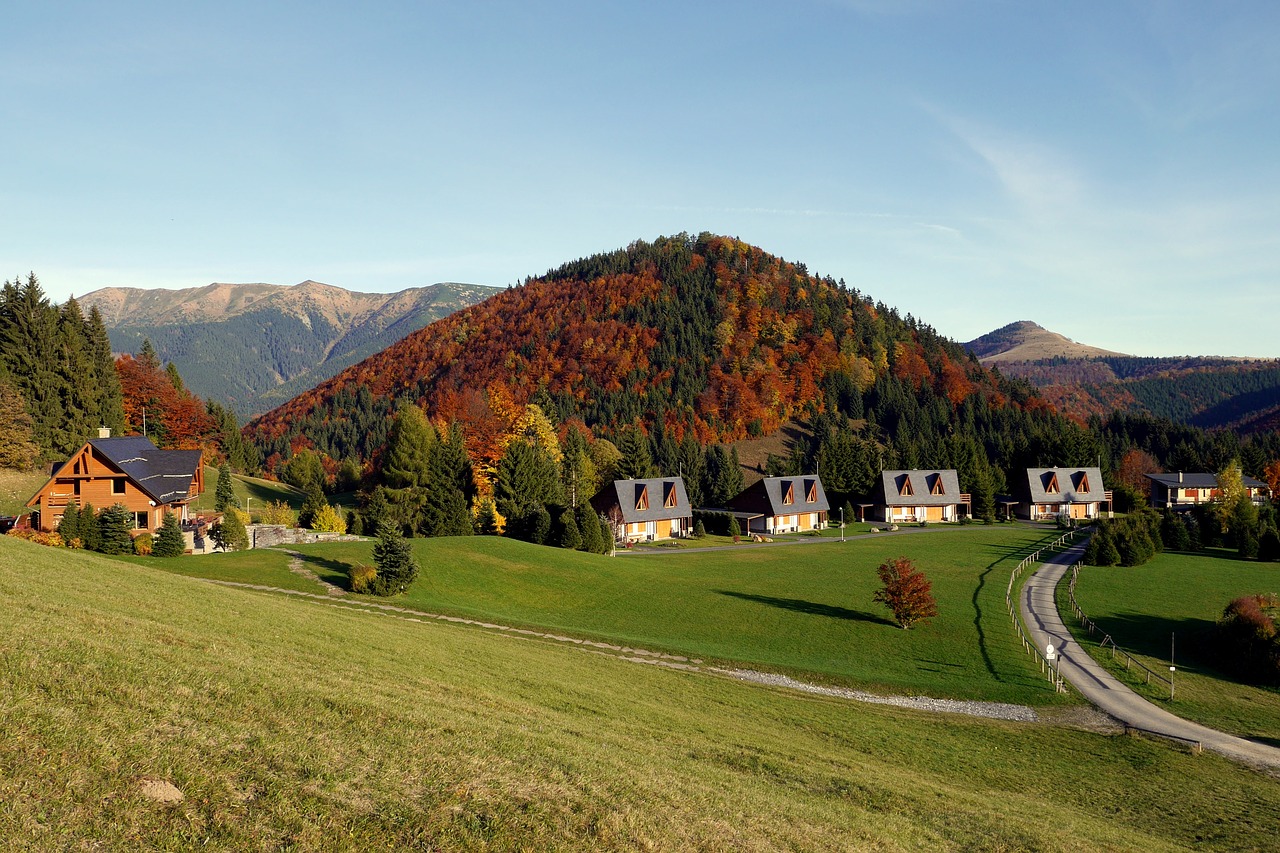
x=256 y=345
x=1028 y=341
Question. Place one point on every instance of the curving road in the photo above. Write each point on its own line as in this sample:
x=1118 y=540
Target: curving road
x=1044 y=625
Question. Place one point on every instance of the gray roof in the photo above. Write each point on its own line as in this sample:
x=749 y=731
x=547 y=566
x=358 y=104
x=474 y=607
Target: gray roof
x=165 y=475
x=766 y=497
x=923 y=482
x=1072 y=484
x=660 y=492
x=1198 y=480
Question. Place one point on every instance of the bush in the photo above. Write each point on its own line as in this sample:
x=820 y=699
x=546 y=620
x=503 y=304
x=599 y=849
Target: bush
x=699 y=529
x=328 y=520
x=278 y=512
x=1247 y=640
x=362 y=577
x=142 y=544
x=229 y=534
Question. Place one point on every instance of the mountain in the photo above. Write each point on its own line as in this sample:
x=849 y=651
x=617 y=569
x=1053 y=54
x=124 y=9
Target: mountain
x=255 y=345
x=1082 y=381
x=1028 y=341
x=704 y=338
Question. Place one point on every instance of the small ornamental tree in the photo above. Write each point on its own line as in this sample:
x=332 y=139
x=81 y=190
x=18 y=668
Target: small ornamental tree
x=328 y=520
x=229 y=534
x=169 y=541
x=393 y=557
x=223 y=496
x=906 y=592
x=114 y=524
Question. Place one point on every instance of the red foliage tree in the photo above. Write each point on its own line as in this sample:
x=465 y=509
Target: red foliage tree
x=906 y=592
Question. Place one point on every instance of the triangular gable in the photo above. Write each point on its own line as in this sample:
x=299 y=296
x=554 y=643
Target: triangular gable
x=642 y=497
x=937 y=488
x=1081 y=481
x=788 y=492
x=1051 y=487
x=906 y=490
x=811 y=491
x=671 y=497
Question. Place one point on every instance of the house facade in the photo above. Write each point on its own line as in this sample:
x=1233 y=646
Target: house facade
x=782 y=505
x=1187 y=489
x=918 y=495
x=129 y=470
x=1047 y=493
x=646 y=510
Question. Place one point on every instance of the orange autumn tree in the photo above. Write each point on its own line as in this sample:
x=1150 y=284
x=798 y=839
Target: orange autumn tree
x=174 y=417
x=906 y=592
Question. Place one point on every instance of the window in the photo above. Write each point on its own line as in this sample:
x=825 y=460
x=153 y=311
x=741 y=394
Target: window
x=938 y=488
x=788 y=492
x=670 y=500
x=1052 y=487
x=1082 y=482
x=117 y=485
x=906 y=491
x=811 y=491
x=642 y=498
x=140 y=521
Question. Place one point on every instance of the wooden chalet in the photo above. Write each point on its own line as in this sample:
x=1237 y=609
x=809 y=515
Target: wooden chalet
x=918 y=495
x=129 y=470
x=782 y=505
x=1048 y=493
x=1188 y=489
x=646 y=510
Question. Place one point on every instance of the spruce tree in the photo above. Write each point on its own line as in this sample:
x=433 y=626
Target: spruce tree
x=313 y=504
x=486 y=523
x=69 y=525
x=169 y=541
x=589 y=528
x=607 y=540
x=110 y=396
x=570 y=536
x=89 y=533
x=636 y=462
x=224 y=494
x=230 y=533
x=393 y=557
x=114 y=524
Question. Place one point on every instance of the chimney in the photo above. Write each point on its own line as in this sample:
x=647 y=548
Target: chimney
x=104 y=432
x=1179 y=476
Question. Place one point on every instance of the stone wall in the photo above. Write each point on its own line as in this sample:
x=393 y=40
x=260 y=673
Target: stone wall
x=266 y=535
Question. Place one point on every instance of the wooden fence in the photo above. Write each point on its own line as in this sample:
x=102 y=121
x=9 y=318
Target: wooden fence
x=1106 y=641
x=1046 y=667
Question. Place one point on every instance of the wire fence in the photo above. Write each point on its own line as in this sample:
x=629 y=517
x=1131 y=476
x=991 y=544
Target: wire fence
x=1046 y=666
x=1107 y=642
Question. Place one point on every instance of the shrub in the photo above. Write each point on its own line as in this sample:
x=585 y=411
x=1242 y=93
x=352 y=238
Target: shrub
x=169 y=542
x=278 y=512
x=734 y=530
x=589 y=527
x=396 y=567
x=328 y=520
x=570 y=536
x=699 y=529
x=142 y=544
x=229 y=534
x=362 y=577
x=1247 y=640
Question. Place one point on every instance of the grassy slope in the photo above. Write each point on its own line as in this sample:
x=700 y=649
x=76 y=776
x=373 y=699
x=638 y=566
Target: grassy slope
x=1184 y=594
x=803 y=608
x=16 y=487
x=290 y=724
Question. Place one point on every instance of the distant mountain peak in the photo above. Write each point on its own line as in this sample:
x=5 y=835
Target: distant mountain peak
x=1027 y=340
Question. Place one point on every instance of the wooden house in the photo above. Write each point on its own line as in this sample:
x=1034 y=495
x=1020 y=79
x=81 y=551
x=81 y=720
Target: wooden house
x=646 y=510
x=1047 y=493
x=782 y=505
x=1187 y=489
x=918 y=495
x=129 y=470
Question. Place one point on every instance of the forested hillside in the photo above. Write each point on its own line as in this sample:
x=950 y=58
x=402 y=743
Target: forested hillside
x=255 y=345
x=700 y=340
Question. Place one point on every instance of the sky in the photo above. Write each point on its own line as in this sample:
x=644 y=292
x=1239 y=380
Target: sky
x=1106 y=169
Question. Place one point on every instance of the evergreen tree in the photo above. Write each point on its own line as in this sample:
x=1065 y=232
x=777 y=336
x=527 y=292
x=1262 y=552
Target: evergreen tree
x=375 y=511
x=1173 y=532
x=537 y=525
x=734 y=530
x=635 y=462
x=224 y=494
x=450 y=482
x=230 y=534
x=570 y=536
x=73 y=361
x=589 y=528
x=89 y=532
x=527 y=479
x=393 y=557
x=723 y=475
x=169 y=541
x=171 y=371
x=607 y=540
x=314 y=503
x=69 y=525
x=18 y=449
x=114 y=524
x=303 y=469
x=405 y=467
x=110 y=405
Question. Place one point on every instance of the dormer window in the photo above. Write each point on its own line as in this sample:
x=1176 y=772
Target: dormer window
x=1052 y=487
x=788 y=493
x=906 y=491
x=642 y=498
x=1082 y=482
x=938 y=488
x=670 y=500
x=811 y=491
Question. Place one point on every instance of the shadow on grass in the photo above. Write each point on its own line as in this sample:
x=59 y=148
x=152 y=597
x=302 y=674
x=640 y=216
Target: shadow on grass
x=1144 y=634
x=336 y=572
x=801 y=606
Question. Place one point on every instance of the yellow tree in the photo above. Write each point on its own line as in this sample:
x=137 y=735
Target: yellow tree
x=1230 y=491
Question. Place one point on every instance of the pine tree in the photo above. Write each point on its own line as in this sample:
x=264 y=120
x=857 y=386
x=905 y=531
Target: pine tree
x=636 y=462
x=607 y=540
x=570 y=536
x=393 y=556
x=114 y=524
x=312 y=505
x=589 y=528
x=486 y=523
x=169 y=541
x=110 y=404
x=230 y=534
x=224 y=494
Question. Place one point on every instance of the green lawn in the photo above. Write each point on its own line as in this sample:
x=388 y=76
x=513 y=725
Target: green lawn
x=805 y=609
x=256 y=491
x=1180 y=596
x=293 y=725
x=16 y=487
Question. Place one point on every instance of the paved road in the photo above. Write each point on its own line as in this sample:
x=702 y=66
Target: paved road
x=1044 y=625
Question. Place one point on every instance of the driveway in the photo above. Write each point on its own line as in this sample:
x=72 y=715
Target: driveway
x=1044 y=625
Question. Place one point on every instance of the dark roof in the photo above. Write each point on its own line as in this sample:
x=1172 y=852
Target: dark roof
x=767 y=496
x=165 y=475
x=1198 y=480
x=659 y=491
x=922 y=483
x=1075 y=485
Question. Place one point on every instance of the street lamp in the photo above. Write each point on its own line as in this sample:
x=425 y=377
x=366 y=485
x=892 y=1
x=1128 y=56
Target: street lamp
x=841 y=524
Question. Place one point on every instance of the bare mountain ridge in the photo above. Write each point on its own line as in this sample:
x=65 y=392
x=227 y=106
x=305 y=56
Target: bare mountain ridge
x=1028 y=341
x=255 y=345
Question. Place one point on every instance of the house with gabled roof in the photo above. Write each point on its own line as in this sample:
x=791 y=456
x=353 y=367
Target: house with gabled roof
x=646 y=510
x=128 y=470
x=1069 y=492
x=789 y=504
x=1187 y=489
x=918 y=495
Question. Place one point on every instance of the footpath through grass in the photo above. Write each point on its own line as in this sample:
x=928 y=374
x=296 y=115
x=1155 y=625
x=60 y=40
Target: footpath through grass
x=806 y=609
x=289 y=724
x=1180 y=596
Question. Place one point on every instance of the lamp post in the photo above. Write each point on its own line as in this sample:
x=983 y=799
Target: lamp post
x=841 y=524
x=1172 y=668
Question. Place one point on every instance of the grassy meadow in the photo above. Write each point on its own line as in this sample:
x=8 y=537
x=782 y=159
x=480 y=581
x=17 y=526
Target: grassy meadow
x=16 y=487
x=291 y=724
x=804 y=609
x=1180 y=595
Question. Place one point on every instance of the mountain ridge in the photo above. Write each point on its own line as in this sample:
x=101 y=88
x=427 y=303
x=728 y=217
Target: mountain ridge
x=1026 y=340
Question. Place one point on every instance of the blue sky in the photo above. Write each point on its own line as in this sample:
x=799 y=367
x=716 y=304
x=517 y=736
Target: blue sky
x=1107 y=169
